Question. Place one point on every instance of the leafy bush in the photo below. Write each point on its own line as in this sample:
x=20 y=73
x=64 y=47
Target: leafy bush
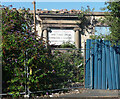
x=27 y=61
x=67 y=45
x=112 y=20
x=21 y=49
x=69 y=66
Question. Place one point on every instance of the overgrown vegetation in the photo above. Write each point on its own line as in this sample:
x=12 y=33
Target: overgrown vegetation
x=67 y=45
x=112 y=19
x=27 y=61
x=85 y=23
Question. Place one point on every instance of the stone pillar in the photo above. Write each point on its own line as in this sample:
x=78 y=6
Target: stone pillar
x=45 y=33
x=77 y=37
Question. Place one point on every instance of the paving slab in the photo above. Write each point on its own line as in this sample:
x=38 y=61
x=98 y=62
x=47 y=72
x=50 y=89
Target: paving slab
x=91 y=93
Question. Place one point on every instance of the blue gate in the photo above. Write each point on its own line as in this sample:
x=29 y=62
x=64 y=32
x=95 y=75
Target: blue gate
x=102 y=68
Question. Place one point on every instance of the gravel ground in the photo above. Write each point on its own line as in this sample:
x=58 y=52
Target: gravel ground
x=81 y=93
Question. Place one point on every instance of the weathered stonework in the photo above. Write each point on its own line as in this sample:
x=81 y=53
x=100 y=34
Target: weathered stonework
x=64 y=19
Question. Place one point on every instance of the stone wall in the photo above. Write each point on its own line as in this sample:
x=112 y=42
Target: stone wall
x=67 y=20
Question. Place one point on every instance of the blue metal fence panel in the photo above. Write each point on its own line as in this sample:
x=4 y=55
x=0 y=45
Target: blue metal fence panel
x=87 y=66
x=95 y=64
x=92 y=62
x=99 y=66
x=112 y=67
x=109 y=78
x=104 y=85
x=116 y=67
x=118 y=50
x=102 y=65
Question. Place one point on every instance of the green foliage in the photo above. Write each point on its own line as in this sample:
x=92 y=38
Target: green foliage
x=67 y=45
x=68 y=65
x=21 y=49
x=112 y=19
x=85 y=23
x=14 y=33
x=101 y=36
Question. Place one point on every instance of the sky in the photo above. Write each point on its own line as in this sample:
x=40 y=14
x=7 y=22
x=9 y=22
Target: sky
x=61 y=5
x=57 y=5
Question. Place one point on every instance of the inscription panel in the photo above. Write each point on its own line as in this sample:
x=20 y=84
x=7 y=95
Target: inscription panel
x=57 y=37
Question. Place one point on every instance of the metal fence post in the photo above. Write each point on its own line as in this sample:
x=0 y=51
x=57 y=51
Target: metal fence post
x=25 y=73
